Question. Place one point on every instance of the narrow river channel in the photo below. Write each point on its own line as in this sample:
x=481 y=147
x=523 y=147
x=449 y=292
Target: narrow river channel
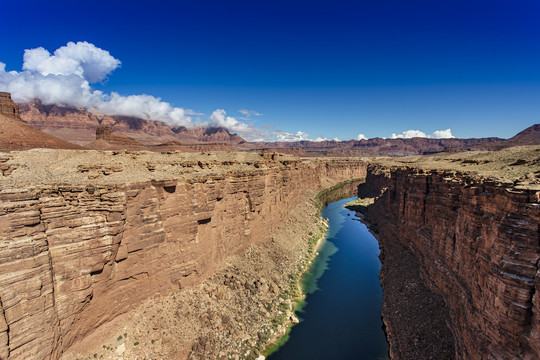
x=341 y=317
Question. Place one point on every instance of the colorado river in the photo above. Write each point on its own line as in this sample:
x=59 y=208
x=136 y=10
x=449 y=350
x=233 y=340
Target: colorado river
x=341 y=317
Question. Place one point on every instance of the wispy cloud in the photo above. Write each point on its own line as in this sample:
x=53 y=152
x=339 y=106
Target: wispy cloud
x=248 y=114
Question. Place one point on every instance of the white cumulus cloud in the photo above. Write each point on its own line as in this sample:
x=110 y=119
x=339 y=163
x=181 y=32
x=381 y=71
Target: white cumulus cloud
x=361 y=137
x=82 y=59
x=409 y=134
x=442 y=134
x=284 y=136
x=287 y=136
x=219 y=118
x=65 y=77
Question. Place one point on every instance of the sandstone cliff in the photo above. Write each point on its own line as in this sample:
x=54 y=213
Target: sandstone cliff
x=88 y=236
x=476 y=237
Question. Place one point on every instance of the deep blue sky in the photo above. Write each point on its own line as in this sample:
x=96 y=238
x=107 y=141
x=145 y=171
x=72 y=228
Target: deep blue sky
x=328 y=68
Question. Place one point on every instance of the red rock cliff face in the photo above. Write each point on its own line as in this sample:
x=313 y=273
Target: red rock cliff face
x=75 y=257
x=478 y=246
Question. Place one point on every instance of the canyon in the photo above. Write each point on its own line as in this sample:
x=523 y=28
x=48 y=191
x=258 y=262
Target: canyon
x=91 y=238
x=172 y=254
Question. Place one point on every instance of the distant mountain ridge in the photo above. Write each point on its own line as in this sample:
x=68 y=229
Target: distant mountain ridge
x=379 y=146
x=78 y=126
x=529 y=136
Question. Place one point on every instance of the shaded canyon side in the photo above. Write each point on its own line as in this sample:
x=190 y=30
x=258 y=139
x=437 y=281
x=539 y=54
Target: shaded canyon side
x=475 y=243
x=75 y=257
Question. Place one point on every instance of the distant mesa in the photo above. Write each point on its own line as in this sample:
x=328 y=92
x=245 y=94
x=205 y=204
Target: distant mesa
x=378 y=146
x=78 y=126
x=188 y=147
x=16 y=134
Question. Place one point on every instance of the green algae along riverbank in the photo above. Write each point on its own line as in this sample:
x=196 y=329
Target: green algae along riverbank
x=342 y=310
x=308 y=280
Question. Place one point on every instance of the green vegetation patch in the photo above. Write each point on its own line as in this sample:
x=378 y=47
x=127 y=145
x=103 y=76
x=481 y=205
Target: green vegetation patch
x=326 y=191
x=360 y=202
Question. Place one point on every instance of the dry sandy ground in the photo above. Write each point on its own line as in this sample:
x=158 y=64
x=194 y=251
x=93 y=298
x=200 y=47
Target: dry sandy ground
x=83 y=167
x=517 y=165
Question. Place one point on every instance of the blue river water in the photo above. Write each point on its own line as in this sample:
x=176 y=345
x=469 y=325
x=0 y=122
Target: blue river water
x=341 y=317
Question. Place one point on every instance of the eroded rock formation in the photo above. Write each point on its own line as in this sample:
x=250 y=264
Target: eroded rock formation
x=103 y=133
x=87 y=243
x=477 y=242
x=7 y=106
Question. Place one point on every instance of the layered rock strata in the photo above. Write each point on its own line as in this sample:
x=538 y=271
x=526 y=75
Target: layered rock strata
x=476 y=239
x=78 y=125
x=7 y=106
x=88 y=236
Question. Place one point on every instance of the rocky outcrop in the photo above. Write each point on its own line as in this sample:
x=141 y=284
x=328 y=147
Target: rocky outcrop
x=198 y=147
x=7 y=106
x=107 y=140
x=103 y=133
x=75 y=257
x=477 y=244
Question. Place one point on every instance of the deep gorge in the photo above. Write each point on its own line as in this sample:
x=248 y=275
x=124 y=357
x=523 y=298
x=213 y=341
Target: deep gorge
x=76 y=257
x=477 y=245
